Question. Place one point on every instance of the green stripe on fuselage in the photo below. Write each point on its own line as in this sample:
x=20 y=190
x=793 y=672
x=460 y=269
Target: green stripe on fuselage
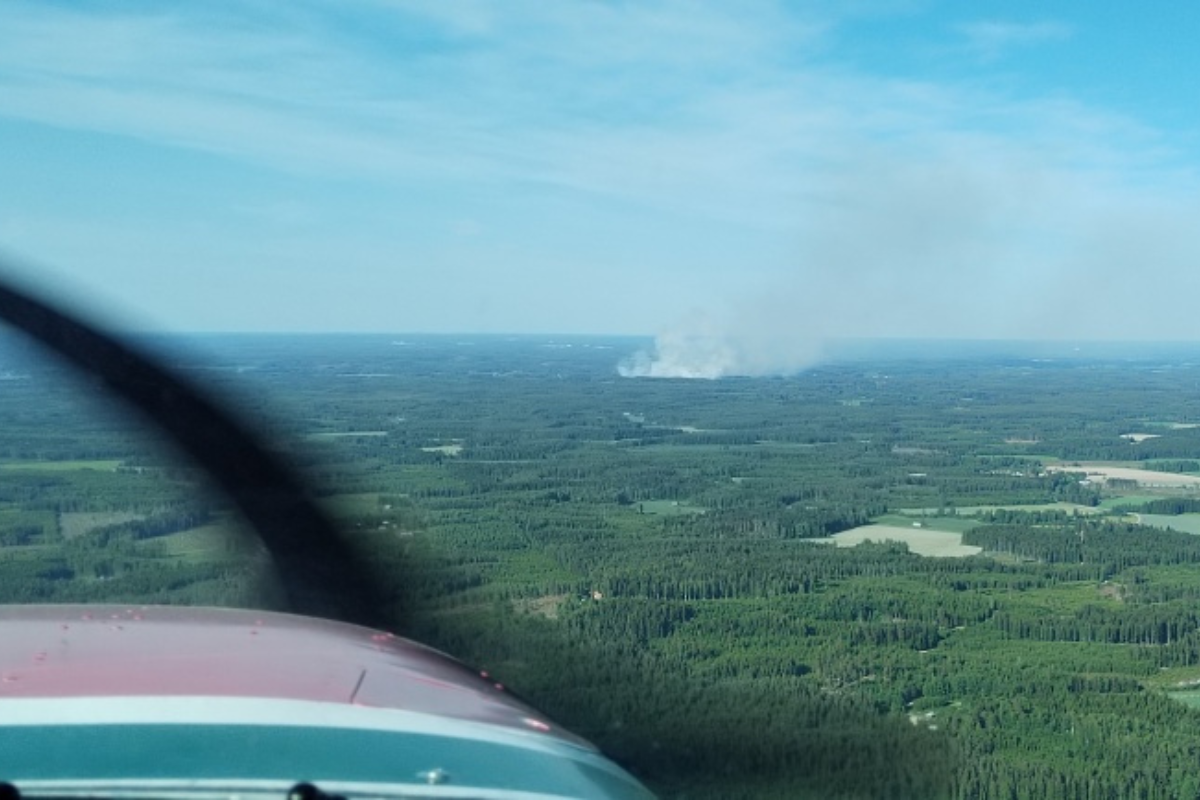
x=251 y=752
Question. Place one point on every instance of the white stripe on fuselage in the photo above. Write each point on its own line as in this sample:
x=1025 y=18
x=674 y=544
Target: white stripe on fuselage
x=263 y=790
x=27 y=711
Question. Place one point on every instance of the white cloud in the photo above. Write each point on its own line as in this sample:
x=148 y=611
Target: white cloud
x=991 y=39
x=848 y=201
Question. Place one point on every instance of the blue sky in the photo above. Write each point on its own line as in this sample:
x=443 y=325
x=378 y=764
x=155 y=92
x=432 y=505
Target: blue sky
x=726 y=175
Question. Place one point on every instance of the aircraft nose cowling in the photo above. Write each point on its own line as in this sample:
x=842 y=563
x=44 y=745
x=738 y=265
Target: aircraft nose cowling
x=191 y=693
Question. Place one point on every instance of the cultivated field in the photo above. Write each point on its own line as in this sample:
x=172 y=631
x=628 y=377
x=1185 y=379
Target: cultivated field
x=77 y=523
x=926 y=542
x=668 y=507
x=1137 y=438
x=1184 y=523
x=1101 y=473
x=1070 y=508
x=99 y=465
x=1191 y=699
x=346 y=434
x=444 y=449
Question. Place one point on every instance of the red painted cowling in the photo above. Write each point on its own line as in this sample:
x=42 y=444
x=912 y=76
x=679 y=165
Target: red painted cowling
x=182 y=702
x=113 y=651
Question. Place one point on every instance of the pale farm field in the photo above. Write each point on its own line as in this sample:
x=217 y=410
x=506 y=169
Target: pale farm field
x=1145 y=477
x=922 y=541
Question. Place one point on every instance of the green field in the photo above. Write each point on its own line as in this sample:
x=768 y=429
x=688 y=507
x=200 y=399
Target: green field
x=1070 y=508
x=1191 y=699
x=72 y=465
x=905 y=519
x=444 y=449
x=346 y=434
x=667 y=507
x=925 y=541
x=1187 y=523
x=216 y=542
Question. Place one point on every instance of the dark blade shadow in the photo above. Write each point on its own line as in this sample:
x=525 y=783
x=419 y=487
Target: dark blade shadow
x=322 y=574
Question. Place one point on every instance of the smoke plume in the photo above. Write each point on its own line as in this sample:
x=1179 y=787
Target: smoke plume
x=703 y=346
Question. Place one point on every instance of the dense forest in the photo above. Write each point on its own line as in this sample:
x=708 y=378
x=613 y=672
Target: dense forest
x=971 y=575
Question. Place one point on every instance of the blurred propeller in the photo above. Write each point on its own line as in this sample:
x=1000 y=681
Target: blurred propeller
x=321 y=573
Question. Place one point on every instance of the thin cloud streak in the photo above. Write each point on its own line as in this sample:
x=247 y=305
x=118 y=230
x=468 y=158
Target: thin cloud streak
x=853 y=201
x=989 y=40
x=565 y=116
x=711 y=120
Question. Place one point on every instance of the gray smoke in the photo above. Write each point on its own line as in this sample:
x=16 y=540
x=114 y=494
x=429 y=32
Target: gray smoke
x=703 y=346
x=957 y=242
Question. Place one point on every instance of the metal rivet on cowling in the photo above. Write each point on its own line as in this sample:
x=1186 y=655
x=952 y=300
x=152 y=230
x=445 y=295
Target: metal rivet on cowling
x=434 y=777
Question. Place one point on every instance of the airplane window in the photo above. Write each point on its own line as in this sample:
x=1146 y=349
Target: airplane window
x=790 y=401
